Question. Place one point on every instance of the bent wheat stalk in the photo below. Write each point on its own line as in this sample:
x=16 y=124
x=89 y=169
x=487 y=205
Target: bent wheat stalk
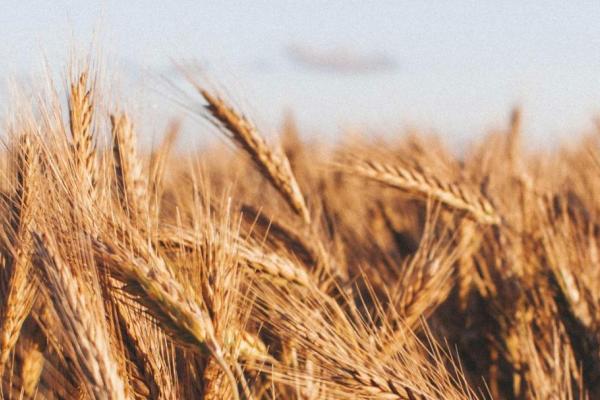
x=280 y=270
x=273 y=165
x=157 y=289
x=452 y=195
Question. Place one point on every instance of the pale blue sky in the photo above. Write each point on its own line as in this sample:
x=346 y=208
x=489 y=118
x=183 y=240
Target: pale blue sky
x=461 y=65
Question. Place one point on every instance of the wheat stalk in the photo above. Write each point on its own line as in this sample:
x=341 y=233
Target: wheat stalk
x=453 y=195
x=81 y=110
x=88 y=341
x=349 y=359
x=148 y=346
x=273 y=165
x=154 y=286
x=130 y=182
x=278 y=269
x=17 y=289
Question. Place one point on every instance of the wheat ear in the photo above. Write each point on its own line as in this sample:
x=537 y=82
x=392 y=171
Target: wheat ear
x=276 y=268
x=273 y=165
x=151 y=282
x=81 y=110
x=130 y=182
x=452 y=195
x=17 y=289
x=87 y=338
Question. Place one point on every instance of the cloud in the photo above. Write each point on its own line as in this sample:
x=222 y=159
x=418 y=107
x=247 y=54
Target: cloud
x=339 y=59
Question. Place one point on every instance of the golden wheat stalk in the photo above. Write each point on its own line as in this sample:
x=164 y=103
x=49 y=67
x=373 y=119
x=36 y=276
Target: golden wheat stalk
x=278 y=269
x=17 y=289
x=273 y=165
x=81 y=108
x=452 y=195
x=81 y=325
x=349 y=360
x=131 y=184
x=147 y=346
x=153 y=285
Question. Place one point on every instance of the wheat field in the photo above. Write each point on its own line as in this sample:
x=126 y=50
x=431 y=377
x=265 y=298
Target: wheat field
x=287 y=268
